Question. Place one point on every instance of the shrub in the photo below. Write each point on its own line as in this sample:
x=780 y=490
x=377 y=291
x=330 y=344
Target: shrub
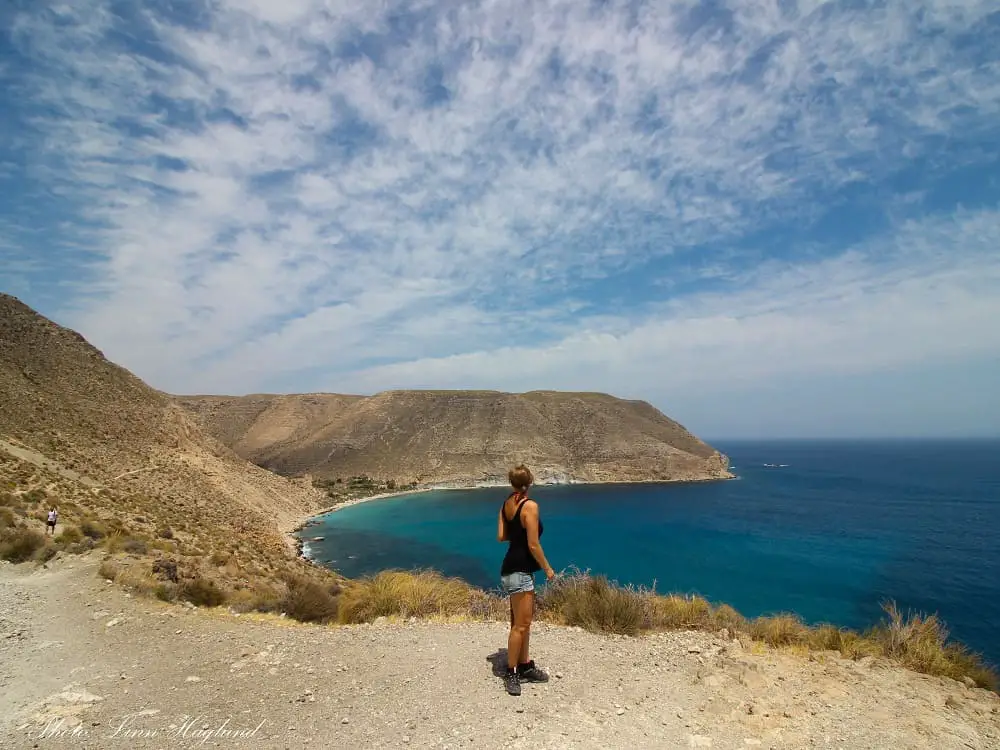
x=165 y=533
x=219 y=558
x=676 y=611
x=403 y=593
x=166 y=592
x=7 y=517
x=259 y=597
x=135 y=546
x=166 y=569
x=920 y=642
x=93 y=529
x=114 y=542
x=594 y=603
x=9 y=498
x=203 y=592
x=36 y=495
x=724 y=616
x=69 y=535
x=108 y=570
x=19 y=544
x=779 y=630
x=310 y=601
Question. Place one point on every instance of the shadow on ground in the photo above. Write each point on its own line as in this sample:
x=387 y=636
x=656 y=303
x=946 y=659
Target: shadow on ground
x=499 y=661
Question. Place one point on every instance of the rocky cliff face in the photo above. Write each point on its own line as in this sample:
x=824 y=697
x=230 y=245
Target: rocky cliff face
x=459 y=437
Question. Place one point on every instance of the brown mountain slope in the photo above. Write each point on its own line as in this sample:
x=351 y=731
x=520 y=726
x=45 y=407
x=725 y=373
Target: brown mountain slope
x=128 y=453
x=459 y=436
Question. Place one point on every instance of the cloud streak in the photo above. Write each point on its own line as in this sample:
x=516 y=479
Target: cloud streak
x=635 y=197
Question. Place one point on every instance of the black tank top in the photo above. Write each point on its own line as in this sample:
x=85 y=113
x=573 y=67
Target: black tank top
x=518 y=558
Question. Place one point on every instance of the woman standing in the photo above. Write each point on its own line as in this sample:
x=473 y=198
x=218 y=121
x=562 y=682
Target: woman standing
x=519 y=524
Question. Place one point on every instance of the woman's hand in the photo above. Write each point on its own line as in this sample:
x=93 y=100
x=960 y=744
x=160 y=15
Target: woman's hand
x=549 y=574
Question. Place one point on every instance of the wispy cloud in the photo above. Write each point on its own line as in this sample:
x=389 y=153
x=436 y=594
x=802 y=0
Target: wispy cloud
x=644 y=198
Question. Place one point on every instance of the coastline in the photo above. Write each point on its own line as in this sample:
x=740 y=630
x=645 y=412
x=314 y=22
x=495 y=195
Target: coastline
x=295 y=543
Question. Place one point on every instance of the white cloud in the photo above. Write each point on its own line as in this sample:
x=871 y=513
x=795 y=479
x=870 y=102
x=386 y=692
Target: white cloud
x=287 y=189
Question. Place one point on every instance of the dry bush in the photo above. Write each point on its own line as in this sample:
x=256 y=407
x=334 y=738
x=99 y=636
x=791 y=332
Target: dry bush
x=135 y=546
x=93 y=529
x=257 y=597
x=166 y=591
x=9 y=498
x=310 y=601
x=920 y=642
x=202 y=591
x=219 y=558
x=825 y=638
x=69 y=535
x=108 y=570
x=725 y=616
x=138 y=578
x=676 y=611
x=7 y=518
x=406 y=594
x=594 y=603
x=20 y=544
x=778 y=630
x=45 y=553
x=165 y=532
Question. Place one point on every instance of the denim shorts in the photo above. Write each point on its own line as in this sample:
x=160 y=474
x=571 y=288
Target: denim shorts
x=517 y=583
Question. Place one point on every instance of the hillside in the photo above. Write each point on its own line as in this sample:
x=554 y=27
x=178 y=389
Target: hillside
x=126 y=464
x=458 y=436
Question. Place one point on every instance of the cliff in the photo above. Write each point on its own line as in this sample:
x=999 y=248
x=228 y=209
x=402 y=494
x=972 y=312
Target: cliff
x=460 y=437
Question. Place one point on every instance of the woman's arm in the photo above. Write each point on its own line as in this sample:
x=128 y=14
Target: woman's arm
x=501 y=527
x=530 y=519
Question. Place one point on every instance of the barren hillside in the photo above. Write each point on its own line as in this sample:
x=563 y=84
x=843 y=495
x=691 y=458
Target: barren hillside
x=458 y=436
x=81 y=432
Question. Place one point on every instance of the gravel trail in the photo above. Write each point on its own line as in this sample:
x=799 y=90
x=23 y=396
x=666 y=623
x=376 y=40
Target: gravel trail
x=84 y=665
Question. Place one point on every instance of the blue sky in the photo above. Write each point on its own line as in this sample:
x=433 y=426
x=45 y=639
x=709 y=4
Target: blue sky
x=767 y=218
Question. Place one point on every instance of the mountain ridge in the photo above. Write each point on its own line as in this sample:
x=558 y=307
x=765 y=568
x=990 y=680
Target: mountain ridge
x=459 y=436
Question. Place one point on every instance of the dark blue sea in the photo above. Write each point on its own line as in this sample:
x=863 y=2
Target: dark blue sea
x=828 y=531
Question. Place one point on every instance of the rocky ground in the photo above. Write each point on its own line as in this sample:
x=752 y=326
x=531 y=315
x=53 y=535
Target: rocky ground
x=83 y=664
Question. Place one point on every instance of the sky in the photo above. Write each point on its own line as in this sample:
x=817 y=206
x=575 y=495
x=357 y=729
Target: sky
x=768 y=218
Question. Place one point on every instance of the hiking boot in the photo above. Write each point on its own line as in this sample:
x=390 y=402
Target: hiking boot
x=512 y=683
x=530 y=673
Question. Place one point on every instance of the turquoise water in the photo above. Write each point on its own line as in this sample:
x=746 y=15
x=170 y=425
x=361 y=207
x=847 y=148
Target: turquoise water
x=838 y=528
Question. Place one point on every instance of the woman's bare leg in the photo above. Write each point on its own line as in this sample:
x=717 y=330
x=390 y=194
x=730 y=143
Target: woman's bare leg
x=517 y=643
x=523 y=656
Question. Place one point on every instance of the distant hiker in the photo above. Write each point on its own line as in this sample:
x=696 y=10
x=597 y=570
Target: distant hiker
x=51 y=522
x=518 y=523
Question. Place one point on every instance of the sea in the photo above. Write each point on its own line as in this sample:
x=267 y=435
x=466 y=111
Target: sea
x=824 y=529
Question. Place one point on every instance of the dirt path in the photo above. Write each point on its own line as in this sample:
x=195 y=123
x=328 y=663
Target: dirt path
x=82 y=664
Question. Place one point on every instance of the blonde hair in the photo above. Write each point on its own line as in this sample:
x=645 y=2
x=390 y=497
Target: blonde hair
x=520 y=478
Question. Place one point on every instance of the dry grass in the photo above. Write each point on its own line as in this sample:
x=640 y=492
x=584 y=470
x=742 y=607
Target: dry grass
x=405 y=594
x=778 y=630
x=918 y=642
